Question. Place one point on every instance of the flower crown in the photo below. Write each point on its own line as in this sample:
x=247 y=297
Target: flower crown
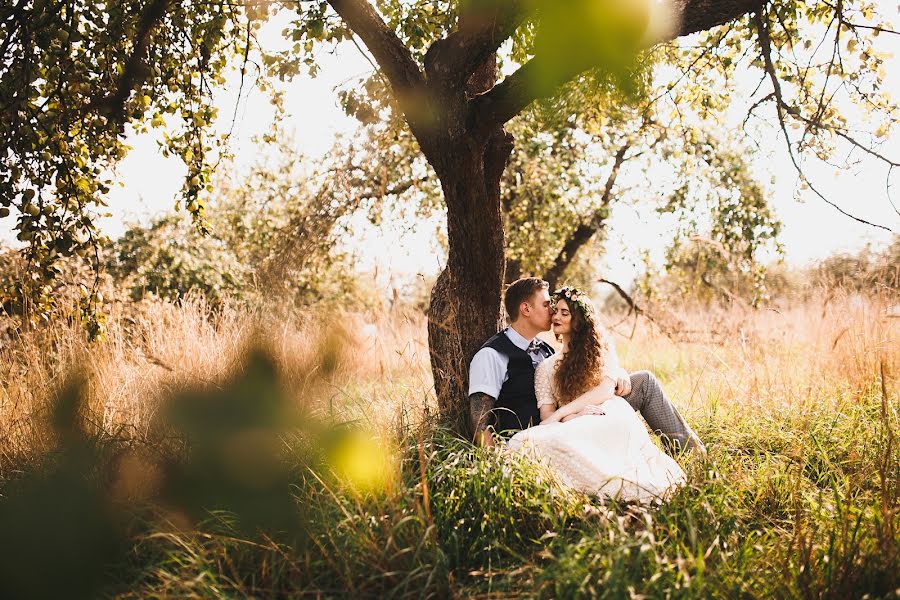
x=574 y=296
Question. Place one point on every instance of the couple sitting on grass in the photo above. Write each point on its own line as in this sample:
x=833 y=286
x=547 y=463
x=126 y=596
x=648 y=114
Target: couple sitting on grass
x=582 y=400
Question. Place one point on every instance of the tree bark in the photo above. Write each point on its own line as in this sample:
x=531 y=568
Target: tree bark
x=465 y=309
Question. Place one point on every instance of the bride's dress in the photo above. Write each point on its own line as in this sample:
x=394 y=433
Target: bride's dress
x=609 y=455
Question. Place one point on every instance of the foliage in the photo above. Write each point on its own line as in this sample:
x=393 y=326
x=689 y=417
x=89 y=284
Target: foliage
x=546 y=192
x=274 y=229
x=820 y=71
x=722 y=255
x=74 y=540
x=65 y=296
x=73 y=77
x=868 y=269
x=169 y=258
x=12 y=272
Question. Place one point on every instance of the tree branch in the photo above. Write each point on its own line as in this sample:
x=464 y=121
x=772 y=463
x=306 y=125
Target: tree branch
x=390 y=53
x=780 y=107
x=585 y=231
x=844 y=21
x=632 y=305
x=513 y=94
x=794 y=112
x=384 y=191
x=581 y=236
x=135 y=71
x=483 y=26
x=699 y=15
x=16 y=16
x=510 y=97
x=637 y=310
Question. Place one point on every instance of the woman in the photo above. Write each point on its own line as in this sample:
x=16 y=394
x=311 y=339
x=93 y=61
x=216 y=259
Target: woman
x=598 y=444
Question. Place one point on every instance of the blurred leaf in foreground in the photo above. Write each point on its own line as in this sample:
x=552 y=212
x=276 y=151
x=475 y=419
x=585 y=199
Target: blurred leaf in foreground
x=608 y=34
x=234 y=459
x=360 y=460
x=59 y=528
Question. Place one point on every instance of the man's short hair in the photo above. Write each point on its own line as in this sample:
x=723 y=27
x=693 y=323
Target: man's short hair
x=519 y=291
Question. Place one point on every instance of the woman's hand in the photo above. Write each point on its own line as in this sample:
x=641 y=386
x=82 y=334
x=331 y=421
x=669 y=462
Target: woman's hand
x=590 y=400
x=547 y=410
x=555 y=417
x=591 y=409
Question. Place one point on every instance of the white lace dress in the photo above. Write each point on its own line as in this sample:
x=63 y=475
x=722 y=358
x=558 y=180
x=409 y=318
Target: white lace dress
x=609 y=455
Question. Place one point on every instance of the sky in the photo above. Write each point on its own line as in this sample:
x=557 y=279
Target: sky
x=812 y=230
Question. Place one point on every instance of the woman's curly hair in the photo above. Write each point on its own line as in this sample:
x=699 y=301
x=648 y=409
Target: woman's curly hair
x=581 y=368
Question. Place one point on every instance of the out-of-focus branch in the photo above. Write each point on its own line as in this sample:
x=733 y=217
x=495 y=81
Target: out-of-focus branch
x=517 y=91
x=483 y=26
x=780 y=109
x=135 y=71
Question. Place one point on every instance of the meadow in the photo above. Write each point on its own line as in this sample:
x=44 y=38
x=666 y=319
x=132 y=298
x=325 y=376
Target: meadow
x=204 y=452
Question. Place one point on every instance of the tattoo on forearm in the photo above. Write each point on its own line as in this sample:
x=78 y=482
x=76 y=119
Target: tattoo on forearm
x=480 y=406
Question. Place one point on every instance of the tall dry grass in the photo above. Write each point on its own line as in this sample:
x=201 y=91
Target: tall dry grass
x=377 y=366
x=796 y=359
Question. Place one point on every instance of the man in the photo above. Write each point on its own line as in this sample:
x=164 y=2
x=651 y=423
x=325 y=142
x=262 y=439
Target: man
x=501 y=376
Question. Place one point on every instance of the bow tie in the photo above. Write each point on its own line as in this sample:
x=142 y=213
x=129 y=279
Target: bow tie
x=534 y=346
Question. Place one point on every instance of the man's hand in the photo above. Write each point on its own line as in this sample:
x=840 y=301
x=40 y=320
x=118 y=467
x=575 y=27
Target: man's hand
x=480 y=406
x=623 y=385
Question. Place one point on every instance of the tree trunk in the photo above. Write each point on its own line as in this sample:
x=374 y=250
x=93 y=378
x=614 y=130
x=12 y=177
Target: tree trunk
x=465 y=301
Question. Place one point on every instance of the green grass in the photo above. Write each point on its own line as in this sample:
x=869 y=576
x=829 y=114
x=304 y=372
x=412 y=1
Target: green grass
x=788 y=505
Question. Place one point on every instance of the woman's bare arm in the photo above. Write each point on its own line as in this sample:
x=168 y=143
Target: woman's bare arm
x=595 y=396
x=546 y=411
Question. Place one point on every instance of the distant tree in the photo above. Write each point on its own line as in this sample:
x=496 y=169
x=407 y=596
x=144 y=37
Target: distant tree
x=562 y=184
x=169 y=259
x=274 y=229
x=868 y=270
x=75 y=77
